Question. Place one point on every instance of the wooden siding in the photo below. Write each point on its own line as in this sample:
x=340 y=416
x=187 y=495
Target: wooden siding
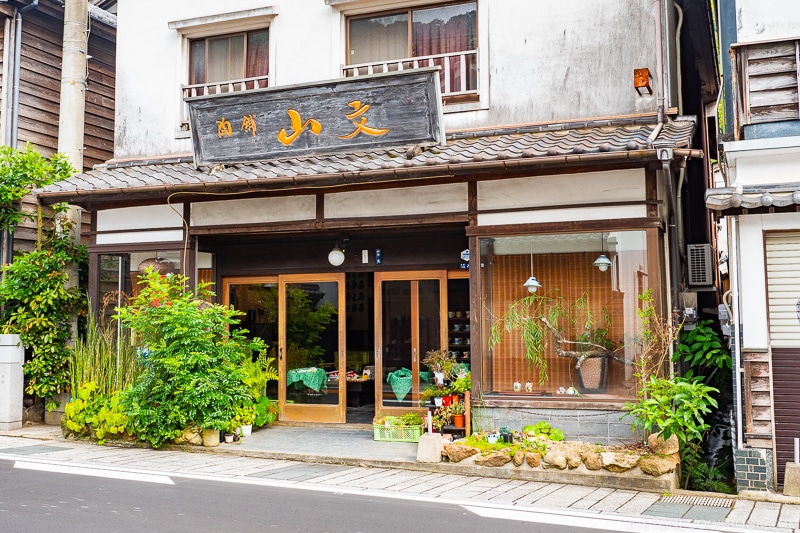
x=40 y=85
x=757 y=395
x=769 y=81
x=786 y=365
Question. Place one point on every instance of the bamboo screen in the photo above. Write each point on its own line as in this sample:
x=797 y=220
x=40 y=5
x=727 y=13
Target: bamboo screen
x=568 y=275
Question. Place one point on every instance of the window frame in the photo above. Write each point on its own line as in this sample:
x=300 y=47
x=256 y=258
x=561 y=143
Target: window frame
x=455 y=104
x=212 y=26
x=655 y=273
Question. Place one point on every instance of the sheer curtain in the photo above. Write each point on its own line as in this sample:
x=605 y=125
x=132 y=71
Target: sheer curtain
x=441 y=30
x=378 y=38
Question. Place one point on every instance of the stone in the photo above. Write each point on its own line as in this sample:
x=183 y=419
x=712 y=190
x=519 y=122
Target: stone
x=493 y=459
x=592 y=461
x=573 y=458
x=660 y=446
x=791 y=479
x=430 y=448
x=458 y=452
x=533 y=459
x=191 y=435
x=554 y=460
x=619 y=462
x=518 y=458
x=656 y=465
x=210 y=438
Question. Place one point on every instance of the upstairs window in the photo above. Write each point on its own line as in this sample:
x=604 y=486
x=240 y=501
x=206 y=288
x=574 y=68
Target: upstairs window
x=444 y=36
x=240 y=57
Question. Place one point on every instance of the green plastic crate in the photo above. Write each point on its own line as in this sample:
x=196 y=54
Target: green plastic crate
x=397 y=433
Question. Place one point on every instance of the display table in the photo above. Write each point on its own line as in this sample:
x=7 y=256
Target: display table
x=311 y=377
x=360 y=393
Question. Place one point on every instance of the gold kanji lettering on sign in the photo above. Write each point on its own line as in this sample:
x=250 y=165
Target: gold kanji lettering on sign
x=298 y=127
x=249 y=124
x=361 y=125
x=224 y=128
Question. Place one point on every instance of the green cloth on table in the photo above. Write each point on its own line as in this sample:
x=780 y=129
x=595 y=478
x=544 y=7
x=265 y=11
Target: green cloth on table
x=312 y=377
x=400 y=381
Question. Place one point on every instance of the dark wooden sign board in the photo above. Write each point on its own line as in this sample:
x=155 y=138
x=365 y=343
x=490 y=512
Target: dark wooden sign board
x=344 y=115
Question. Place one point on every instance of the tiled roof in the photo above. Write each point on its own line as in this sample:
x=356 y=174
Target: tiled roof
x=737 y=199
x=466 y=154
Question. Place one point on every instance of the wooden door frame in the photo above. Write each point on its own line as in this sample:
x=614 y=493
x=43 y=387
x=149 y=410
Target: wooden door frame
x=301 y=412
x=413 y=276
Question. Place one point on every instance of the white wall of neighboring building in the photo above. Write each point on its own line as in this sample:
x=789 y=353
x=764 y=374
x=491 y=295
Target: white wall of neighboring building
x=766 y=20
x=550 y=61
x=763 y=161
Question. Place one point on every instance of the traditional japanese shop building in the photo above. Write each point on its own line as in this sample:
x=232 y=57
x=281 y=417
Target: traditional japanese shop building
x=373 y=193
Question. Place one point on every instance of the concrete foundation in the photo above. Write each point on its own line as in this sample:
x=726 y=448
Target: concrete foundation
x=12 y=357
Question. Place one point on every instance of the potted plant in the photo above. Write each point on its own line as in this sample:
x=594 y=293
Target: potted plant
x=243 y=419
x=435 y=393
x=462 y=384
x=538 y=318
x=441 y=363
x=459 y=415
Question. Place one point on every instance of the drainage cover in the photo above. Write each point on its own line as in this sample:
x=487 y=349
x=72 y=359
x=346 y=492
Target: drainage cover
x=699 y=500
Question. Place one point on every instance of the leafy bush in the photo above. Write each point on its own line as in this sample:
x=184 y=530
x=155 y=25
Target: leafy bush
x=39 y=307
x=702 y=348
x=192 y=370
x=266 y=411
x=92 y=413
x=544 y=429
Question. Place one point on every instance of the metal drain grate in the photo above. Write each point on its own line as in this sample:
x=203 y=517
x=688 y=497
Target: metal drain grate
x=699 y=500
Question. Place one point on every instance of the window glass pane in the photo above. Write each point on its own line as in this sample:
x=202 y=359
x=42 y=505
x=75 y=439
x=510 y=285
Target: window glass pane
x=440 y=30
x=226 y=58
x=396 y=316
x=378 y=38
x=598 y=308
x=312 y=342
x=257 y=54
x=197 y=63
x=259 y=303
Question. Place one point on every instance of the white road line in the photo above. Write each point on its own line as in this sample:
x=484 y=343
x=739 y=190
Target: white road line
x=617 y=523
x=94 y=472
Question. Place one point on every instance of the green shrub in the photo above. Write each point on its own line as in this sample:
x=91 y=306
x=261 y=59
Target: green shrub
x=92 y=413
x=39 y=306
x=192 y=368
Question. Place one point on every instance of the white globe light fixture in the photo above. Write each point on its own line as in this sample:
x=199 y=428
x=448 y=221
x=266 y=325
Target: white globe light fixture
x=602 y=263
x=336 y=256
x=532 y=284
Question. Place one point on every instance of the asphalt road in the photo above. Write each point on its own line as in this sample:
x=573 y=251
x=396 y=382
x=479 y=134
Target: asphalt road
x=34 y=498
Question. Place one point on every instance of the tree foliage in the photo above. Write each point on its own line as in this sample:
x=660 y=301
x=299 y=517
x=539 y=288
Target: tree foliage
x=192 y=371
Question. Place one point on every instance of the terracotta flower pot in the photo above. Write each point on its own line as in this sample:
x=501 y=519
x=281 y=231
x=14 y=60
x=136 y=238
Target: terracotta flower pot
x=458 y=421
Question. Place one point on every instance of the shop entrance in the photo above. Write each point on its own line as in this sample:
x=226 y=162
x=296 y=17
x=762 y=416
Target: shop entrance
x=409 y=321
x=350 y=346
x=300 y=317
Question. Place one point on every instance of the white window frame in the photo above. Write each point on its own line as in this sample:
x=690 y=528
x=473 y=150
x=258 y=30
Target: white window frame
x=211 y=26
x=349 y=8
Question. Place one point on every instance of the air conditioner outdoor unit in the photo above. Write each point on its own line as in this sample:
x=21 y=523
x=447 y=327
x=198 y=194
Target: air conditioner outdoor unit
x=701 y=264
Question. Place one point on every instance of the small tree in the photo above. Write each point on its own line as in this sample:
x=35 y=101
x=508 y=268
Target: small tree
x=192 y=360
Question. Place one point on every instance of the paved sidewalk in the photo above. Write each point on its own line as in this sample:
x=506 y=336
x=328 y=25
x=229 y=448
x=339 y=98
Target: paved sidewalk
x=325 y=459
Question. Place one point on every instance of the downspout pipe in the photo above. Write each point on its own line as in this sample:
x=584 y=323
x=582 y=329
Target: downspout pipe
x=17 y=57
x=665 y=155
x=8 y=249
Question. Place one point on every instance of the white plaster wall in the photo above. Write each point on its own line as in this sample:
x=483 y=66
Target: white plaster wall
x=132 y=237
x=253 y=211
x=144 y=217
x=555 y=61
x=753 y=287
x=389 y=202
x=763 y=161
x=757 y=22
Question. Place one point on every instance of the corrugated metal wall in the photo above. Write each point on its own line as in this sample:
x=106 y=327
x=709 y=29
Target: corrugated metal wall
x=783 y=286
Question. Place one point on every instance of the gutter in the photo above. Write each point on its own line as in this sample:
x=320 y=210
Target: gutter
x=319 y=181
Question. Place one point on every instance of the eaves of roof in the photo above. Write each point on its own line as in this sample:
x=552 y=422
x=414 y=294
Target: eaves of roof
x=518 y=149
x=737 y=200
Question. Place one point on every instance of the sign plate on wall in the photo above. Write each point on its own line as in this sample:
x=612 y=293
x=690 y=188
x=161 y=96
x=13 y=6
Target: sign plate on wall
x=343 y=115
